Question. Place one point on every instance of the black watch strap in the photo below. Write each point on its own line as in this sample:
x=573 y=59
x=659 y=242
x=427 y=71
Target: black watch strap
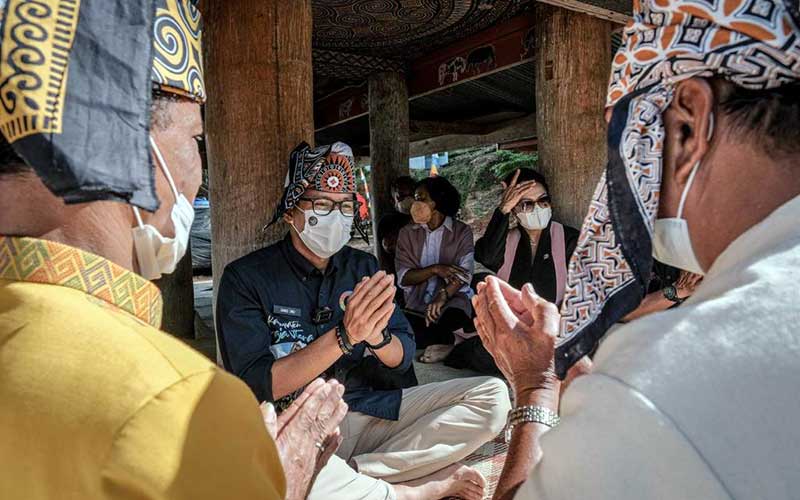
x=343 y=339
x=387 y=338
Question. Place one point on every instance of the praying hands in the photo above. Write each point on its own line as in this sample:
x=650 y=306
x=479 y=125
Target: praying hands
x=307 y=433
x=519 y=329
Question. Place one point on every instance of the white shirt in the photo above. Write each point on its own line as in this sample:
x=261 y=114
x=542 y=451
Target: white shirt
x=430 y=256
x=698 y=402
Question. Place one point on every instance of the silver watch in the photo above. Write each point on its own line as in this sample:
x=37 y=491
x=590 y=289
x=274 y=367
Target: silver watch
x=532 y=414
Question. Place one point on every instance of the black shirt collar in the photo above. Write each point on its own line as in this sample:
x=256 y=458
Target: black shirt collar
x=300 y=265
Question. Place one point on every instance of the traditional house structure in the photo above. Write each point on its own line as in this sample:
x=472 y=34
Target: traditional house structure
x=398 y=78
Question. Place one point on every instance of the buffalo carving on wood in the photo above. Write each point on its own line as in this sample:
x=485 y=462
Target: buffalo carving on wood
x=452 y=69
x=481 y=59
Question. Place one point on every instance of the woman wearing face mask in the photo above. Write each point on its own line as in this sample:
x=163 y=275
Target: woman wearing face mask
x=435 y=260
x=522 y=244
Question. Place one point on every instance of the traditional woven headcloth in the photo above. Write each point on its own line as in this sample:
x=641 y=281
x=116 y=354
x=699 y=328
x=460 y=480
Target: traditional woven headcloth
x=76 y=85
x=753 y=44
x=324 y=168
x=178 y=57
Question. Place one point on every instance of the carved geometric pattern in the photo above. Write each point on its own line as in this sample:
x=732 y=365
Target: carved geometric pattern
x=330 y=63
x=43 y=261
x=403 y=29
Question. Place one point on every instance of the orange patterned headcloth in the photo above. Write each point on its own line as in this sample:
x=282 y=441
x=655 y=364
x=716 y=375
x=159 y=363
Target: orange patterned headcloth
x=752 y=43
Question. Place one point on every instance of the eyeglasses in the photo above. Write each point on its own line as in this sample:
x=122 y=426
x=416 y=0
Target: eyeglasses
x=324 y=206
x=525 y=206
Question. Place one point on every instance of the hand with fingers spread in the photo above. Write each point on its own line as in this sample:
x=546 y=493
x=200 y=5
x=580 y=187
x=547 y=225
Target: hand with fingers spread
x=519 y=329
x=514 y=192
x=307 y=433
x=686 y=284
x=370 y=308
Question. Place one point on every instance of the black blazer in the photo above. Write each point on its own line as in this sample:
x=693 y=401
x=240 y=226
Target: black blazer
x=539 y=271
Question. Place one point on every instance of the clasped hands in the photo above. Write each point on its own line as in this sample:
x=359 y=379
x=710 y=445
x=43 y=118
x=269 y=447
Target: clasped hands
x=519 y=329
x=307 y=433
x=369 y=308
x=451 y=275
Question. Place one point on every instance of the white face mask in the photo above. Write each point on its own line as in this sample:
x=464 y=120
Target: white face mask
x=672 y=244
x=157 y=254
x=539 y=218
x=325 y=234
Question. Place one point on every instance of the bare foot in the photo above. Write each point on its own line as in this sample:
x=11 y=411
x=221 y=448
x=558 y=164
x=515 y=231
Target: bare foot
x=436 y=353
x=455 y=481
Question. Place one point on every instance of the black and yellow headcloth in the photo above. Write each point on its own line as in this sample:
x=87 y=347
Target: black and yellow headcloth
x=76 y=86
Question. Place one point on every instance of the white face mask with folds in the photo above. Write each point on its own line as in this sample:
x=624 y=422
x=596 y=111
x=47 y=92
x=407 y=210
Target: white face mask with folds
x=672 y=243
x=156 y=253
x=325 y=234
x=538 y=218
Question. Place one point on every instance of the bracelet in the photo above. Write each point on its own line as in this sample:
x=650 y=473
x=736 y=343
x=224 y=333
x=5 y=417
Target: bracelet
x=343 y=340
x=530 y=414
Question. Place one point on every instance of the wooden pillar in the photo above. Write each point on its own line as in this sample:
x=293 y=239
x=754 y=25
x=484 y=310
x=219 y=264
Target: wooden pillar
x=388 y=139
x=177 y=290
x=260 y=106
x=573 y=60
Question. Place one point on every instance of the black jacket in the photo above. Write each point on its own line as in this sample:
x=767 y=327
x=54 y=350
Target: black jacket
x=539 y=271
x=265 y=307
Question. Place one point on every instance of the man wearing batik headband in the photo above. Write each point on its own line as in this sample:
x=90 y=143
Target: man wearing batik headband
x=310 y=306
x=704 y=155
x=96 y=401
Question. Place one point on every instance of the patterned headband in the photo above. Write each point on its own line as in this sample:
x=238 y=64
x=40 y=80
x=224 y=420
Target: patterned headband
x=751 y=43
x=324 y=168
x=178 y=58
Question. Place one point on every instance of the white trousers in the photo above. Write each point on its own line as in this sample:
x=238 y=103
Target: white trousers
x=439 y=424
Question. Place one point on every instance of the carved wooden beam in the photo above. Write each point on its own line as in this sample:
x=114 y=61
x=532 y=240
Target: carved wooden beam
x=499 y=47
x=339 y=64
x=511 y=130
x=592 y=10
x=421 y=129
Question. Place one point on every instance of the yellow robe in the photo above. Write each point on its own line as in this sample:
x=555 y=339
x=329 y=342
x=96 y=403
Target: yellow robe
x=96 y=402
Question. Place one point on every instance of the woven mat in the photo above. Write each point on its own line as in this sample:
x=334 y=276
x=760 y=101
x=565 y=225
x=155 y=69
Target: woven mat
x=489 y=460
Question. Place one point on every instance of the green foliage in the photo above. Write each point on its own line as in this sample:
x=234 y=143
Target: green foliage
x=476 y=173
x=508 y=161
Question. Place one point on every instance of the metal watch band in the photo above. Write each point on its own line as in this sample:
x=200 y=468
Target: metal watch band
x=532 y=414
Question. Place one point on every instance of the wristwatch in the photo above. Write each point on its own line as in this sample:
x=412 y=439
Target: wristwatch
x=671 y=294
x=343 y=339
x=387 y=338
x=532 y=414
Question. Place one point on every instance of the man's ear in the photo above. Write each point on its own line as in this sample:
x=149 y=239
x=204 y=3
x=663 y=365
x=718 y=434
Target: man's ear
x=288 y=217
x=688 y=123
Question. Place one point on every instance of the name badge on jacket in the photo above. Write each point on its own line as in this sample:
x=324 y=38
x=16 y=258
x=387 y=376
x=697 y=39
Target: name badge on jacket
x=286 y=311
